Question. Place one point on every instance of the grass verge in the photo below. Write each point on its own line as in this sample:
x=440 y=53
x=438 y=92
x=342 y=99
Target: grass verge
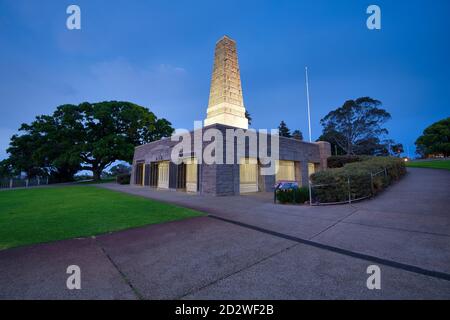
x=37 y=215
x=432 y=164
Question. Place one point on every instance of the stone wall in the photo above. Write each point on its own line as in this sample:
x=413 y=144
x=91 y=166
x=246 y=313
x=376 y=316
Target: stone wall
x=223 y=179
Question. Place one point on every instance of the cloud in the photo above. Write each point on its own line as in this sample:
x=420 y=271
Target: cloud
x=167 y=89
x=124 y=80
x=169 y=69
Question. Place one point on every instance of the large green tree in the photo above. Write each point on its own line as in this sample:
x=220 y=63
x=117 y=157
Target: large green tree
x=46 y=147
x=88 y=136
x=356 y=127
x=21 y=157
x=435 y=139
x=112 y=130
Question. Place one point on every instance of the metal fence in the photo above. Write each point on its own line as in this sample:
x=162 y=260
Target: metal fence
x=10 y=183
x=349 y=190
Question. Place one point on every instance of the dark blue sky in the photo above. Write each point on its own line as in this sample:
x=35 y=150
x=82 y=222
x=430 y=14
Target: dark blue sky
x=159 y=54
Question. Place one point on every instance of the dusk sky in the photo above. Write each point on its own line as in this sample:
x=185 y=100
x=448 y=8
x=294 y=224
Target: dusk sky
x=159 y=54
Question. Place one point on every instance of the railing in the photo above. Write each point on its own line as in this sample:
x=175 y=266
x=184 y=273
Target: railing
x=10 y=183
x=365 y=187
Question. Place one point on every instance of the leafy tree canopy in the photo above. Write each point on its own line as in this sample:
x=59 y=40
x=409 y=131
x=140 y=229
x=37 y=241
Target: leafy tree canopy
x=88 y=136
x=435 y=139
x=397 y=149
x=356 y=127
x=330 y=136
x=6 y=169
x=297 y=134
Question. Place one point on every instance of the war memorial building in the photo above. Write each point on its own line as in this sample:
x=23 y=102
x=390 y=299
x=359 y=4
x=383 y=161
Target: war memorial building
x=293 y=160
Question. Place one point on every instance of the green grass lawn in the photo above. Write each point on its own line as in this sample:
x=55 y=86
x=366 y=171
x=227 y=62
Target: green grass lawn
x=432 y=164
x=47 y=214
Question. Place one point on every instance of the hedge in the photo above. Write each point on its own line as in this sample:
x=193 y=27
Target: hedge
x=356 y=180
x=299 y=195
x=340 y=161
x=123 y=178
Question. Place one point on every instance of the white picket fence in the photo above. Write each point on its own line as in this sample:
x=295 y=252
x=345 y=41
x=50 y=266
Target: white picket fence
x=11 y=183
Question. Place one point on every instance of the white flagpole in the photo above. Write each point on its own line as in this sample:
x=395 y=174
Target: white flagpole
x=309 y=129
x=307 y=100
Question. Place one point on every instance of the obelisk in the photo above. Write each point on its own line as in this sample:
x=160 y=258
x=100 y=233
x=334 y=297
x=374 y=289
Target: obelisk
x=226 y=104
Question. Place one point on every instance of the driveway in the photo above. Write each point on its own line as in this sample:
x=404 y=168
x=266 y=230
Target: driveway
x=250 y=248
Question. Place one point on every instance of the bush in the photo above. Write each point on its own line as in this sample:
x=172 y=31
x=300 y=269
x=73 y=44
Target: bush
x=285 y=196
x=340 y=161
x=297 y=195
x=123 y=178
x=301 y=195
x=333 y=185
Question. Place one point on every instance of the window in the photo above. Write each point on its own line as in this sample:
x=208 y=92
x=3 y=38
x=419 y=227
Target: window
x=191 y=170
x=311 y=168
x=286 y=170
x=248 y=172
x=139 y=173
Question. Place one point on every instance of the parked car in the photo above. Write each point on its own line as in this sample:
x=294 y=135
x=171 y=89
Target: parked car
x=286 y=185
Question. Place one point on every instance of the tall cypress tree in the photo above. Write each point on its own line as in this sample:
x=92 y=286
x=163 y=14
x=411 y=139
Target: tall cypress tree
x=284 y=130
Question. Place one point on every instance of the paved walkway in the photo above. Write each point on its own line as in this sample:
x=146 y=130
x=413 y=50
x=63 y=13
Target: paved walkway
x=250 y=248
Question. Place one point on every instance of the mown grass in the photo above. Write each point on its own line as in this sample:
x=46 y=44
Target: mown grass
x=37 y=215
x=432 y=164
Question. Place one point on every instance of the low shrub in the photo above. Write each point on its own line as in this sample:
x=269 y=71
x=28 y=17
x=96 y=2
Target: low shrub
x=285 y=196
x=297 y=195
x=340 y=161
x=301 y=195
x=356 y=180
x=123 y=178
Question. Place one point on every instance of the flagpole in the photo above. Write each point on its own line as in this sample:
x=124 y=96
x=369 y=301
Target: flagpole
x=309 y=129
x=307 y=100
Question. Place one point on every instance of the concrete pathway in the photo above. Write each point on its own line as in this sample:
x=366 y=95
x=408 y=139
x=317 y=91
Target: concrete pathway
x=250 y=248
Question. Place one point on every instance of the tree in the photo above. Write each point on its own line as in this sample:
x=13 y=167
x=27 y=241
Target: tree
x=373 y=146
x=356 y=127
x=111 y=130
x=397 y=149
x=435 y=139
x=284 y=130
x=330 y=137
x=6 y=169
x=297 y=134
x=249 y=117
x=119 y=169
x=84 y=137
x=54 y=152
x=21 y=158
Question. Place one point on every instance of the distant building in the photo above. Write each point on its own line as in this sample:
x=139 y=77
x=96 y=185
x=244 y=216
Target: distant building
x=436 y=156
x=153 y=165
